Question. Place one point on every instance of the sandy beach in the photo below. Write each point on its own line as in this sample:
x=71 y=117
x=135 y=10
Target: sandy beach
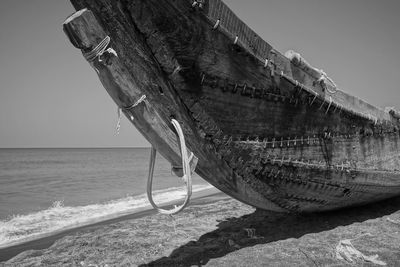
x=216 y=230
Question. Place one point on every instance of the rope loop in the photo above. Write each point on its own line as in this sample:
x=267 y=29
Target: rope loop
x=325 y=77
x=140 y=100
x=119 y=112
x=187 y=173
x=99 y=50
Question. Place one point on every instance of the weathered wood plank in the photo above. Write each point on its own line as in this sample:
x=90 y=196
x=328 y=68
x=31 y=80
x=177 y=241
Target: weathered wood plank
x=126 y=85
x=168 y=51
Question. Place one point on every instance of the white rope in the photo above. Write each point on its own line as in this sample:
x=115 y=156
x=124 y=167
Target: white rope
x=118 y=127
x=140 y=100
x=315 y=97
x=266 y=63
x=99 y=50
x=236 y=40
x=327 y=77
x=187 y=173
x=324 y=77
x=200 y=3
x=119 y=112
x=216 y=24
x=330 y=103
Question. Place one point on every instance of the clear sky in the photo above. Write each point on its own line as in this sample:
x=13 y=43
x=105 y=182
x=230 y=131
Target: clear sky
x=50 y=97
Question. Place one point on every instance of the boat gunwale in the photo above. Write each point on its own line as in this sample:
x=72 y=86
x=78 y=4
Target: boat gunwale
x=384 y=116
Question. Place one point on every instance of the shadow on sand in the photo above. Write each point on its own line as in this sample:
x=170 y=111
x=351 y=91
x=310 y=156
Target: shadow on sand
x=262 y=227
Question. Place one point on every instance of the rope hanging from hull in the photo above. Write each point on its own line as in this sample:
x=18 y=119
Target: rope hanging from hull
x=299 y=61
x=186 y=168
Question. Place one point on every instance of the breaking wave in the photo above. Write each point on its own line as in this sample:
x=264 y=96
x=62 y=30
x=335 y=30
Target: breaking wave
x=22 y=228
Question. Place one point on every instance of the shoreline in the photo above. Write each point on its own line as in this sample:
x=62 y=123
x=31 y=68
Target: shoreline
x=216 y=230
x=45 y=240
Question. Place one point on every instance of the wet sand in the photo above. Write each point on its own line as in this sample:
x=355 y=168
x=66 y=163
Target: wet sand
x=219 y=231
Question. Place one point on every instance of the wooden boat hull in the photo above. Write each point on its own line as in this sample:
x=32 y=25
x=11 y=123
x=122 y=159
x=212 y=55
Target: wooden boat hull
x=269 y=134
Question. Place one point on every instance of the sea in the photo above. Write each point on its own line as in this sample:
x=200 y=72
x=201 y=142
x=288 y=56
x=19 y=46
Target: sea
x=43 y=191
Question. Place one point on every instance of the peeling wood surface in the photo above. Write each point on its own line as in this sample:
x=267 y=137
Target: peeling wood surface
x=266 y=134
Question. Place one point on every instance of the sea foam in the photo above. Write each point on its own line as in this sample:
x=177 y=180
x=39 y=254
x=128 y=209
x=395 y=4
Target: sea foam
x=57 y=218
